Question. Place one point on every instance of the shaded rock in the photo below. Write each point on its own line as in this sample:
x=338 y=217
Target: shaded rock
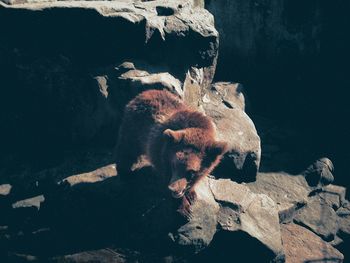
x=344 y=221
x=338 y=191
x=289 y=192
x=301 y=245
x=319 y=217
x=59 y=59
x=102 y=256
x=234 y=126
x=331 y=199
x=137 y=79
x=197 y=233
x=320 y=172
x=255 y=214
x=192 y=87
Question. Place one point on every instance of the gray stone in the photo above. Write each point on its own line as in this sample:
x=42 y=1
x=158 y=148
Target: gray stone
x=231 y=94
x=344 y=220
x=301 y=245
x=234 y=126
x=255 y=214
x=5 y=189
x=336 y=190
x=289 y=192
x=319 y=217
x=142 y=80
x=320 y=172
x=30 y=202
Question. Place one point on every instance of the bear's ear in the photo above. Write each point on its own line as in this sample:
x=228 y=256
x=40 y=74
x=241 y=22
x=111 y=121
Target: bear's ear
x=216 y=149
x=175 y=136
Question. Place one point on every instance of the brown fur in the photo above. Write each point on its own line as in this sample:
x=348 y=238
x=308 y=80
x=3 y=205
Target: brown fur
x=178 y=141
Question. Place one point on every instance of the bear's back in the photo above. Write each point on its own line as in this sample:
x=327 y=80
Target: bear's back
x=155 y=104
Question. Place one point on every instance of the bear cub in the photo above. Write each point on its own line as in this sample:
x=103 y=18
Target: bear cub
x=178 y=141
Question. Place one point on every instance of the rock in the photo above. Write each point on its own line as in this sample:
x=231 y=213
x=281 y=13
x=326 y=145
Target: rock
x=242 y=161
x=66 y=70
x=330 y=199
x=344 y=221
x=257 y=213
x=5 y=189
x=290 y=193
x=21 y=258
x=30 y=202
x=338 y=191
x=97 y=175
x=320 y=172
x=301 y=245
x=231 y=94
x=135 y=79
x=105 y=255
x=196 y=234
x=319 y=217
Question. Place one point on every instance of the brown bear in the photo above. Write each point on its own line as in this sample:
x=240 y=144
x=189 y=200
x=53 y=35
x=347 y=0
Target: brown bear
x=178 y=141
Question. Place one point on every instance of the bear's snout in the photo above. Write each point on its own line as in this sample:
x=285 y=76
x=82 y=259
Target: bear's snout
x=178 y=187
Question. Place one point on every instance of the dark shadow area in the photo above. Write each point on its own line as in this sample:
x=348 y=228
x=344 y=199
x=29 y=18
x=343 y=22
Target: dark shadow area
x=246 y=249
x=91 y=216
x=292 y=57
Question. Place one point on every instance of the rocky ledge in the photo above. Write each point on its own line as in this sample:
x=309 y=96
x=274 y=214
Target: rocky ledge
x=283 y=217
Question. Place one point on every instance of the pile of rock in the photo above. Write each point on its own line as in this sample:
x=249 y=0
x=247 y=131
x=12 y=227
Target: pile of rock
x=84 y=78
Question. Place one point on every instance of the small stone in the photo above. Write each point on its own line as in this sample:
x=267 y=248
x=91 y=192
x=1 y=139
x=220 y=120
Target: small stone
x=30 y=202
x=320 y=172
x=5 y=189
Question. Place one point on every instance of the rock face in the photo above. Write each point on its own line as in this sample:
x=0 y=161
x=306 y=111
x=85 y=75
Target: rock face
x=61 y=57
x=301 y=245
x=224 y=102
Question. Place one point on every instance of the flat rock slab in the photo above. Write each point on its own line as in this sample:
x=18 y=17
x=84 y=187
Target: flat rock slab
x=289 y=192
x=301 y=245
x=319 y=217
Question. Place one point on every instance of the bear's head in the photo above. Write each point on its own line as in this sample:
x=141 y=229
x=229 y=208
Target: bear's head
x=193 y=155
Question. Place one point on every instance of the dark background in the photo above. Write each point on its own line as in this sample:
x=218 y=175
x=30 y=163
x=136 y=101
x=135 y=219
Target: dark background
x=292 y=57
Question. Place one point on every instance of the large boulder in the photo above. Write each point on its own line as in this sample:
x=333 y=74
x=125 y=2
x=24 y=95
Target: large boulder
x=225 y=104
